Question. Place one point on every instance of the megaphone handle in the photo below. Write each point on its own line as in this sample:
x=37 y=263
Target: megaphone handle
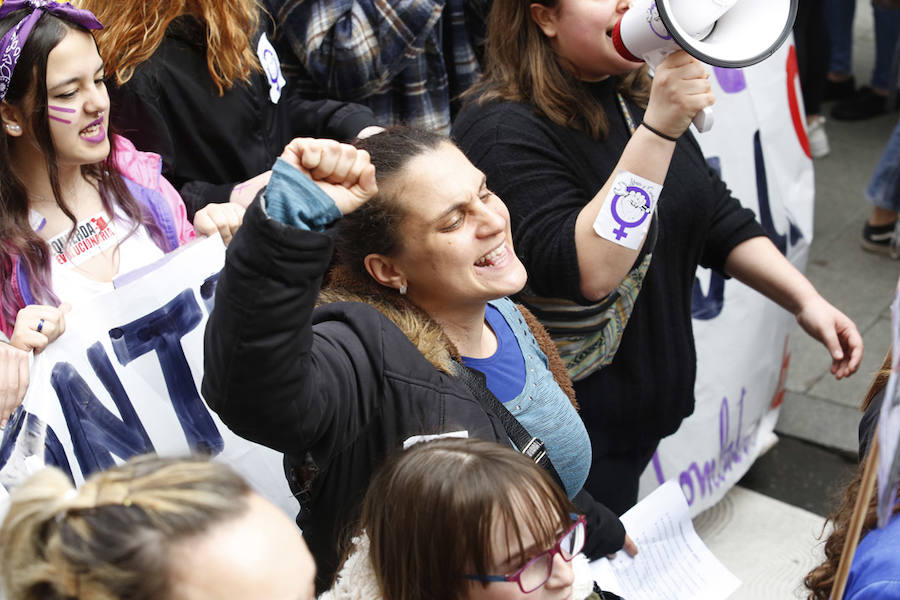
x=704 y=119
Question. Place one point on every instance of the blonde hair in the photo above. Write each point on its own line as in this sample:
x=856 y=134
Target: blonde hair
x=522 y=66
x=134 y=29
x=111 y=538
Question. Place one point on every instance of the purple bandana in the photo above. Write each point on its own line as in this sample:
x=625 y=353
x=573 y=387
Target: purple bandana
x=11 y=44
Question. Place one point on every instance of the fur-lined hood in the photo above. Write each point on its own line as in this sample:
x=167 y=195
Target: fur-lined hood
x=422 y=330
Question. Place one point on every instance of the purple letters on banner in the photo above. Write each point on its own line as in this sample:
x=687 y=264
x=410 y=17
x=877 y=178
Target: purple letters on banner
x=713 y=473
x=731 y=81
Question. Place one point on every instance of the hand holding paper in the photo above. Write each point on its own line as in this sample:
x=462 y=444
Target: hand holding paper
x=673 y=562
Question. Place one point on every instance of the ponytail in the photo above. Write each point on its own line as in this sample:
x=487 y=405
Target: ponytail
x=112 y=538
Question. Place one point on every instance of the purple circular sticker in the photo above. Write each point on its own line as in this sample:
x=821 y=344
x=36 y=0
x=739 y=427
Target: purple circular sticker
x=630 y=210
x=270 y=64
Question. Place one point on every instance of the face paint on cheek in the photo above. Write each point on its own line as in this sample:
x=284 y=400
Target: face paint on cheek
x=60 y=109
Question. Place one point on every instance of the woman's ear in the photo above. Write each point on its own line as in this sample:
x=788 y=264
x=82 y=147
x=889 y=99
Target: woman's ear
x=12 y=120
x=544 y=17
x=384 y=271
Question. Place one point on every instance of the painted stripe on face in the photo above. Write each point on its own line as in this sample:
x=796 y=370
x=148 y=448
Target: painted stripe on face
x=61 y=108
x=60 y=120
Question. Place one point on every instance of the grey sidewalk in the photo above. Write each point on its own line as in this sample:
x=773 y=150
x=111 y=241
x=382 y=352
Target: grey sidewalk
x=817 y=407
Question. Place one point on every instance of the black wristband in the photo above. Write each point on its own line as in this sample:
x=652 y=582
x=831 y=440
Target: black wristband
x=659 y=133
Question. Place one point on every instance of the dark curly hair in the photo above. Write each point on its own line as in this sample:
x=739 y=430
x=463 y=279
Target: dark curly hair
x=373 y=228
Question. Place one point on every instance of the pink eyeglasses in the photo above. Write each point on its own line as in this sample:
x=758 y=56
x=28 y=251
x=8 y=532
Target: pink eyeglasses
x=536 y=571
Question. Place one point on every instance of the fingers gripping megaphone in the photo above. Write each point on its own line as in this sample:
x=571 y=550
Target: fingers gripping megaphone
x=722 y=33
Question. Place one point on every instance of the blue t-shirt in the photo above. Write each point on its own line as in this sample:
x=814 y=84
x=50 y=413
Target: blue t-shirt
x=504 y=371
x=875 y=570
x=519 y=374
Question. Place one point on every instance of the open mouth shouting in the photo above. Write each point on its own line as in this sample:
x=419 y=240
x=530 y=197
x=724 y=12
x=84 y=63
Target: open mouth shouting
x=495 y=258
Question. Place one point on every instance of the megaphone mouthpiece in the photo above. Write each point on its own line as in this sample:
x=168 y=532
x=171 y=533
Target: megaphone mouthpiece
x=620 y=45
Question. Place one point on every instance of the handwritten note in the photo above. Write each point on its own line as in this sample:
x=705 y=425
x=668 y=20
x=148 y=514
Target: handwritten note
x=672 y=561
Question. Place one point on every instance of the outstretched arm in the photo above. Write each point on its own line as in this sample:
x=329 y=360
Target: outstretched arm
x=759 y=264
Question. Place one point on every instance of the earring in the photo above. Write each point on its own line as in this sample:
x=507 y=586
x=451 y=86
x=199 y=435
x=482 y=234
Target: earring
x=99 y=113
x=403 y=289
x=13 y=128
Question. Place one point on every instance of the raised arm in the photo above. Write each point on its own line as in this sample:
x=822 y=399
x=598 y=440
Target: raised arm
x=680 y=89
x=537 y=168
x=268 y=375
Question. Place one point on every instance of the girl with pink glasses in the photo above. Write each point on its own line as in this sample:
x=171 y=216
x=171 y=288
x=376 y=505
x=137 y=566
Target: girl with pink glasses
x=465 y=519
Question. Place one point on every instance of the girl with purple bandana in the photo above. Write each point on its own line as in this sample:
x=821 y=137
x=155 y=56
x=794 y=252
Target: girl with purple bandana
x=78 y=206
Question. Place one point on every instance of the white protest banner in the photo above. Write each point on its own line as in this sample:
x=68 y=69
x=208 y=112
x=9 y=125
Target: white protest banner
x=124 y=379
x=760 y=149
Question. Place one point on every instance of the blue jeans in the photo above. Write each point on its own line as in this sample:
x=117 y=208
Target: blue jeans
x=839 y=18
x=884 y=188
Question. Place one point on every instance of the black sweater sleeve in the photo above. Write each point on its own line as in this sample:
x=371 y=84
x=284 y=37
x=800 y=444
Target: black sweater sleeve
x=605 y=532
x=329 y=118
x=730 y=223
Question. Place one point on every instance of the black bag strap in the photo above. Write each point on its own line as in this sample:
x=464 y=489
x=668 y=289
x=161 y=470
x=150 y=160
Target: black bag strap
x=527 y=444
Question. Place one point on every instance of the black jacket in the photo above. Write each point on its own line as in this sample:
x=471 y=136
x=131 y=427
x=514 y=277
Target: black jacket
x=210 y=142
x=335 y=388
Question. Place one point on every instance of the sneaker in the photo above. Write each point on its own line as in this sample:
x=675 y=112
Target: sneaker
x=839 y=90
x=880 y=238
x=818 y=140
x=864 y=105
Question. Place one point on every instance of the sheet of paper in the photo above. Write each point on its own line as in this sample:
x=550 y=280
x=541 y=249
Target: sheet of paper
x=672 y=561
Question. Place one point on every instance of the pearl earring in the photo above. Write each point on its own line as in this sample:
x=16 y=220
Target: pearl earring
x=13 y=128
x=403 y=290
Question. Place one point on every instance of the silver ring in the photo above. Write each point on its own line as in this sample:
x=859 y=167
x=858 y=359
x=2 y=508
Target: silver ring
x=40 y=325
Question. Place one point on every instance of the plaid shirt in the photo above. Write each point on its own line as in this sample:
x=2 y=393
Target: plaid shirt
x=406 y=59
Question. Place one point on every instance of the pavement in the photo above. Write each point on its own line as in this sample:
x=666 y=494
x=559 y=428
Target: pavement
x=766 y=529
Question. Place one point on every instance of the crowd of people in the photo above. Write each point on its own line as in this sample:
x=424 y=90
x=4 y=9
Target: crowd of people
x=823 y=31
x=391 y=237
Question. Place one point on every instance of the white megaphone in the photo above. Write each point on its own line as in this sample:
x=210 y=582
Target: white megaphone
x=722 y=33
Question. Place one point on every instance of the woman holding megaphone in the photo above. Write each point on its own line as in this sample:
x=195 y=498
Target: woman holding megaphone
x=613 y=207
